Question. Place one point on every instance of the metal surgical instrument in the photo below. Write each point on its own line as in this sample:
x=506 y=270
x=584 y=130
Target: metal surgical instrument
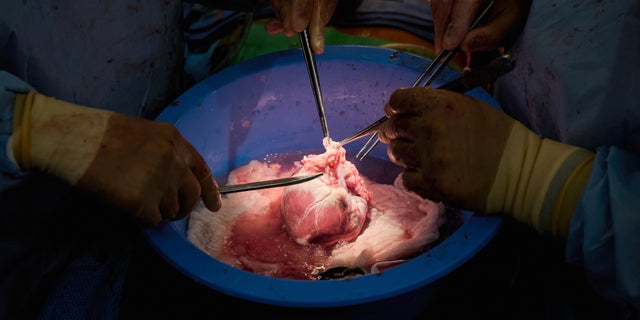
x=310 y=61
x=267 y=183
x=479 y=76
x=435 y=67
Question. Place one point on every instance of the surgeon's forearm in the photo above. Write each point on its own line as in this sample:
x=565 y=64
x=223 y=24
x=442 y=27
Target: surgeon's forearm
x=539 y=181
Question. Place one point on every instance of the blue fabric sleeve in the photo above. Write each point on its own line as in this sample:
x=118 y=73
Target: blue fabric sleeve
x=605 y=230
x=10 y=173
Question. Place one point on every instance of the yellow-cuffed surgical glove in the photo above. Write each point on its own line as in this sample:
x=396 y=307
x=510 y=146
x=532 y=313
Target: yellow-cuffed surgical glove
x=466 y=153
x=141 y=166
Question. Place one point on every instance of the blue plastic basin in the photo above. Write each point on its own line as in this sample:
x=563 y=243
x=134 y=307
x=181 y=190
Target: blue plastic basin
x=265 y=106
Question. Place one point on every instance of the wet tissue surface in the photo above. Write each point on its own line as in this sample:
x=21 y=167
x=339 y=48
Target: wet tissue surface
x=341 y=224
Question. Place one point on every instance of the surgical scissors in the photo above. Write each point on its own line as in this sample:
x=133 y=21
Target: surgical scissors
x=310 y=61
x=435 y=67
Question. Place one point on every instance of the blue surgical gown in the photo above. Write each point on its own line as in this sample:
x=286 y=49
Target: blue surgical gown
x=577 y=80
x=121 y=55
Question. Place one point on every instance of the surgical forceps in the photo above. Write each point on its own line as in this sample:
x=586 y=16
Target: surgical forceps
x=435 y=67
x=268 y=183
x=310 y=61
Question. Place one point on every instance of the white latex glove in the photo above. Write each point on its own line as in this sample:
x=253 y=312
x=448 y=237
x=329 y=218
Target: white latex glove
x=293 y=16
x=141 y=166
x=470 y=155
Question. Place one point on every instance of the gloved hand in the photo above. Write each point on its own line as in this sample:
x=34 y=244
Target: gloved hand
x=500 y=27
x=293 y=16
x=470 y=155
x=141 y=166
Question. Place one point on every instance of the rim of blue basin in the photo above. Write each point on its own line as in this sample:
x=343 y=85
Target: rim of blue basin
x=170 y=241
